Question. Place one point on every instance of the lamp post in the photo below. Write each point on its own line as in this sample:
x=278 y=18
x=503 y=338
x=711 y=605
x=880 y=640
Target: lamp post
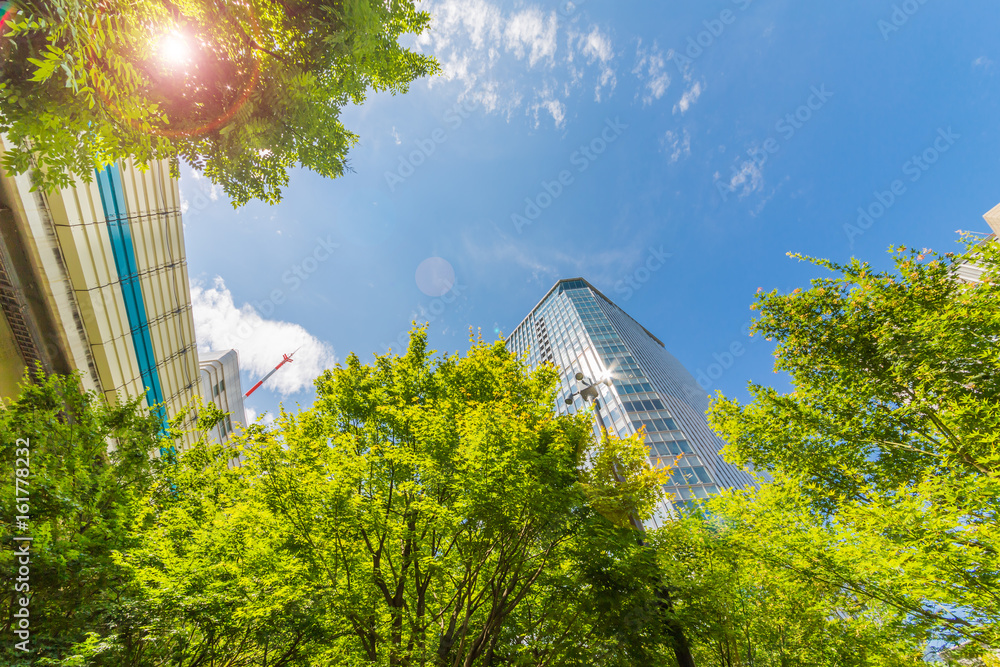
x=590 y=393
x=682 y=649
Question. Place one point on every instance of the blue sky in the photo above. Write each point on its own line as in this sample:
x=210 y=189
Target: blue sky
x=723 y=134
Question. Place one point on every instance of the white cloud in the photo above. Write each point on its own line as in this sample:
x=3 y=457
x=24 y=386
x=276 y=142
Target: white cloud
x=747 y=178
x=506 y=252
x=516 y=60
x=649 y=68
x=527 y=60
x=252 y=415
x=678 y=145
x=982 y=61
x=530 y=33
x=548 y=102
x=206 y=192
x=689 y=97
x=481 y=21
x=211 y=189
x=557 y=110
x=543 y=265
x=597 y=48
x=395 y=136
x=220 y=325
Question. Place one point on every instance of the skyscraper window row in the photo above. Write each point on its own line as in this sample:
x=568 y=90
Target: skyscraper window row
x=655 y=424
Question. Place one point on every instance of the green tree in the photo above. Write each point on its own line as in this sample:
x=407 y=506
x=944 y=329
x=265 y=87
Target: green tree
x=81 y=499
x=740 y=609
x=435 y=497
x=241 y=91
x=425 y=511
x=884 y=458
x=210 y=581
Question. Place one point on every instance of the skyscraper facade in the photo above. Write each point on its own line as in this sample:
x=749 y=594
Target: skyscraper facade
x=579 y=330
x=93 y=278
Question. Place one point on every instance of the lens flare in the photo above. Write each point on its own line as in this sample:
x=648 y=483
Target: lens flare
x=174 y=49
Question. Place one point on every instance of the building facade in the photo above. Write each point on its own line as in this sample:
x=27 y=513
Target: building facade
x=220 y=384
x=973 y=273
x=992 y=218
x=579 y=330
x=94 y=278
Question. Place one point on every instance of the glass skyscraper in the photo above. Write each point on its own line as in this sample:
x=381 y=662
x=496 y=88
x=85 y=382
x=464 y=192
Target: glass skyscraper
x=579 y=330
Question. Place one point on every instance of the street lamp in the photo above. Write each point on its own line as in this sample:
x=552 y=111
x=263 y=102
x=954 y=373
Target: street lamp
x=682 y=648
x=590 y=393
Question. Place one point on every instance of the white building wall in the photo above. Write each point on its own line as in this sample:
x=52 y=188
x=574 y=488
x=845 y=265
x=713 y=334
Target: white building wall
x=220 y=384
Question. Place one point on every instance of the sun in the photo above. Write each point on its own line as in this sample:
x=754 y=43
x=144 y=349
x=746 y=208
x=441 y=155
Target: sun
x=174 y=49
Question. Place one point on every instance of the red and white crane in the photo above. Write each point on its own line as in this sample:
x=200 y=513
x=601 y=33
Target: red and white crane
x=286 y=359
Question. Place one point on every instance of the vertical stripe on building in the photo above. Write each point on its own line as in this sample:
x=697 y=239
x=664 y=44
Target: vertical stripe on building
x=120 y=233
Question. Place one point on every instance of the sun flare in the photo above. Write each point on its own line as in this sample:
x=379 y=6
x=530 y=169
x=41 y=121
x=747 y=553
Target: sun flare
x=174 y=49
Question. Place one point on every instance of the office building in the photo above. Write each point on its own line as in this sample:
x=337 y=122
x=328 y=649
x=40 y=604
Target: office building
x=220 y=384
x=992 y=218
x=579 y=330
x=971 y=272
x=94 y=278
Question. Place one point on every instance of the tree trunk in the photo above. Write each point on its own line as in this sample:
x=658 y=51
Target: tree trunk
x=682 y=649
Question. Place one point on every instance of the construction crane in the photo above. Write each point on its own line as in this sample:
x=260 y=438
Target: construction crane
x=286 y=359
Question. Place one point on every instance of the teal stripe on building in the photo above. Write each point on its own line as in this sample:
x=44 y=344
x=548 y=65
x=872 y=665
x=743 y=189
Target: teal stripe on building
x=119 y=231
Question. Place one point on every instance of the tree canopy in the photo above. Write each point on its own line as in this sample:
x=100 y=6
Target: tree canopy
x=884 y=458
x=78 y=503
x=242 y=91
x=426 y=510
x=739 y=608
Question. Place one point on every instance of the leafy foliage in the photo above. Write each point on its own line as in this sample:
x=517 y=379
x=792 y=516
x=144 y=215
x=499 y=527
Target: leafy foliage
x=885 y=457
x=82 y=502
x=740 y=608
x=256 y=88
x=426 y=510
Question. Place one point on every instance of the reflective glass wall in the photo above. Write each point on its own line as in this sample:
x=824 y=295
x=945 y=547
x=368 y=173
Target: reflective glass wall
x=577 y=329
